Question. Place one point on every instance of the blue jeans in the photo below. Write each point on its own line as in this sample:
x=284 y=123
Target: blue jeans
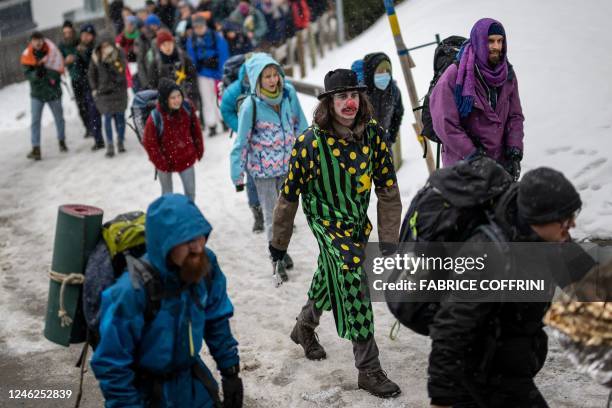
x=251 y=191
x=58 y=115
x=119 y=125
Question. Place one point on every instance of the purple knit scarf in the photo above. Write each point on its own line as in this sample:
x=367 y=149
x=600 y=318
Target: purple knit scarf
x=475 y=52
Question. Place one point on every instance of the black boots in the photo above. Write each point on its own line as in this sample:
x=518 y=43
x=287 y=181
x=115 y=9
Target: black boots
x=34 y=154
x=62 y=146
x=98 y=146
x=212 y=131
x=258 y=224
x=377 y=383
x=288 y=261
x=120 y=147
x=304 y=335
x=279 y=272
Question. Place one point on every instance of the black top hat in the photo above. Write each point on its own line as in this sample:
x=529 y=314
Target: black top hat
x=341 y=80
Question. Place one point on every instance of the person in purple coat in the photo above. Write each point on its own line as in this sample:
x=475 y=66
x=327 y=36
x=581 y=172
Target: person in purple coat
x=475 y=105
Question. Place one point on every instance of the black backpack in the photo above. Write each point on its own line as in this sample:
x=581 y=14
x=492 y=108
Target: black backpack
x=444 y=56
x=455 y=202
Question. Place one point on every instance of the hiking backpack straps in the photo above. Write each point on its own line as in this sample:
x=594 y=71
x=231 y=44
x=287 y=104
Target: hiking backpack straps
x=158 y=121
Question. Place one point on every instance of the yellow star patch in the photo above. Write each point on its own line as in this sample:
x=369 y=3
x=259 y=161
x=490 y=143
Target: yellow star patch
x=365 y=183
x=180 y=75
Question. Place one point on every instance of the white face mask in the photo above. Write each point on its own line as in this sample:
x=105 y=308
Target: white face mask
x=382 y=80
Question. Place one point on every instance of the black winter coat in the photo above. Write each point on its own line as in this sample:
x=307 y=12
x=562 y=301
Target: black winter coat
x=178 y=68
x=489 y=343
x=388 y=106
x=108 y=81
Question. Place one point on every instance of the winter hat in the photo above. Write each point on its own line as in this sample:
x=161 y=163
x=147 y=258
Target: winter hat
x=67 y=23
x=165 y=88
x=341 y=80
x=545 y=195
x=132 y=20
x=497 y=29
x=152 y=19
x=199 y=19
x=162 y=36
x=88 y=28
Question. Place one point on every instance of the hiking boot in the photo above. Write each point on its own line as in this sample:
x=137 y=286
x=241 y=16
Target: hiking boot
x=279 y=273
x=62 y=146
x=110 y=150
x=35 y=153
x=98 y=146
x=304 y=335
x=258 y=224
x=212 y=131
x=377 y=383
x=120 y=147
x=288 y=261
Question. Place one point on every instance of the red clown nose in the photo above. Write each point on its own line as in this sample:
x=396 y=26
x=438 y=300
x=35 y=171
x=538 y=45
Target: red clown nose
x=351 y=104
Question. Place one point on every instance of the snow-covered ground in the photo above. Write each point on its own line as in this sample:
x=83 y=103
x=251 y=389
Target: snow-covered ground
x=563 y=67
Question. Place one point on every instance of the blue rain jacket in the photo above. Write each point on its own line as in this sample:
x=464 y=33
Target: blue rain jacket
x=165 y=344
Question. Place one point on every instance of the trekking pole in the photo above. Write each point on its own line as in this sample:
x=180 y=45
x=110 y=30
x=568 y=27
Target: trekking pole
x=407 y=64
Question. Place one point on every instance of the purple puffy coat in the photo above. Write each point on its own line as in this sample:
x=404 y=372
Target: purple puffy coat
x=497 y=130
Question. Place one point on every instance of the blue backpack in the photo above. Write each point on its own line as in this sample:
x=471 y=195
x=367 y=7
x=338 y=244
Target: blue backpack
x=145 y=104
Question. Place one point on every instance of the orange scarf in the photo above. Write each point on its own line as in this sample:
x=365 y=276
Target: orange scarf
x=53 y=57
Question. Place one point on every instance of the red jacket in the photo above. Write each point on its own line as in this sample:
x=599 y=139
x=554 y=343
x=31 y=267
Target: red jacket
x=179 y=148
x=301 y=14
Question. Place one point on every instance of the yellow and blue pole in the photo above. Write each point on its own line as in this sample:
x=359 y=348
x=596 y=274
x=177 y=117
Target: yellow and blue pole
x=407 y=64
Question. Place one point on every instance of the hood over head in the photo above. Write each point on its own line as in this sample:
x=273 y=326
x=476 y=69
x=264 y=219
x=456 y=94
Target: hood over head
x=172 y=220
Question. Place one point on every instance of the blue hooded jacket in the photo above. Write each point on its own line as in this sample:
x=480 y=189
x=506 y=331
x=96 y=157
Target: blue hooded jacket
x=265 y=149
x=200 y=48
x=164 y=345
x=230 y=98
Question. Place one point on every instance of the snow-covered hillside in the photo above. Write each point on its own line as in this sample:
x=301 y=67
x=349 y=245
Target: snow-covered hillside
x=562 y=61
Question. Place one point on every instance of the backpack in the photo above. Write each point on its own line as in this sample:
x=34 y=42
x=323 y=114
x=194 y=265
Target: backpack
x=444 y=56
x=145 y=104
x=455 y=202
x=121 y=245
x=231 y=69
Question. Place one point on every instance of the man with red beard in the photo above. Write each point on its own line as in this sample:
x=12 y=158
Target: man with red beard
x=333 y=166
x=475 y=105
x=155 y=361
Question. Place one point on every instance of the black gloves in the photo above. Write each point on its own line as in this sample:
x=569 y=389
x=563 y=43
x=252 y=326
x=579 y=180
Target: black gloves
x=239 y=187
x=276 y=254
x=513 y=156
x=233 y=390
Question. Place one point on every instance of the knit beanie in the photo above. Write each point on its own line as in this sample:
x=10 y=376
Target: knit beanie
x=162 y=36
x=496 y=29
x=152 y=19
x=545 y=196
x=67 y=23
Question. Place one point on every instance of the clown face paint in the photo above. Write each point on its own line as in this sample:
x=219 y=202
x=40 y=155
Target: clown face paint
x=346 y=106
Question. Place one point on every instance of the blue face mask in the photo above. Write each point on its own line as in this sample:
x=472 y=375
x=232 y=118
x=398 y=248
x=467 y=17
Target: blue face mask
x=381 y=81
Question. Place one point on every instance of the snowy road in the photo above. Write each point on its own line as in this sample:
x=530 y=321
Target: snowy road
x=275 y=372
x=569 y=131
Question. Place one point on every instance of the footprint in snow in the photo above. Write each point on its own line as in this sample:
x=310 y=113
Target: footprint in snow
x=593 y=165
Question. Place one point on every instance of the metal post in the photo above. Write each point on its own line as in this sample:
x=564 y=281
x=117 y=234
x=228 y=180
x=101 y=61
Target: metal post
x=340 y=19
x=407 y=63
